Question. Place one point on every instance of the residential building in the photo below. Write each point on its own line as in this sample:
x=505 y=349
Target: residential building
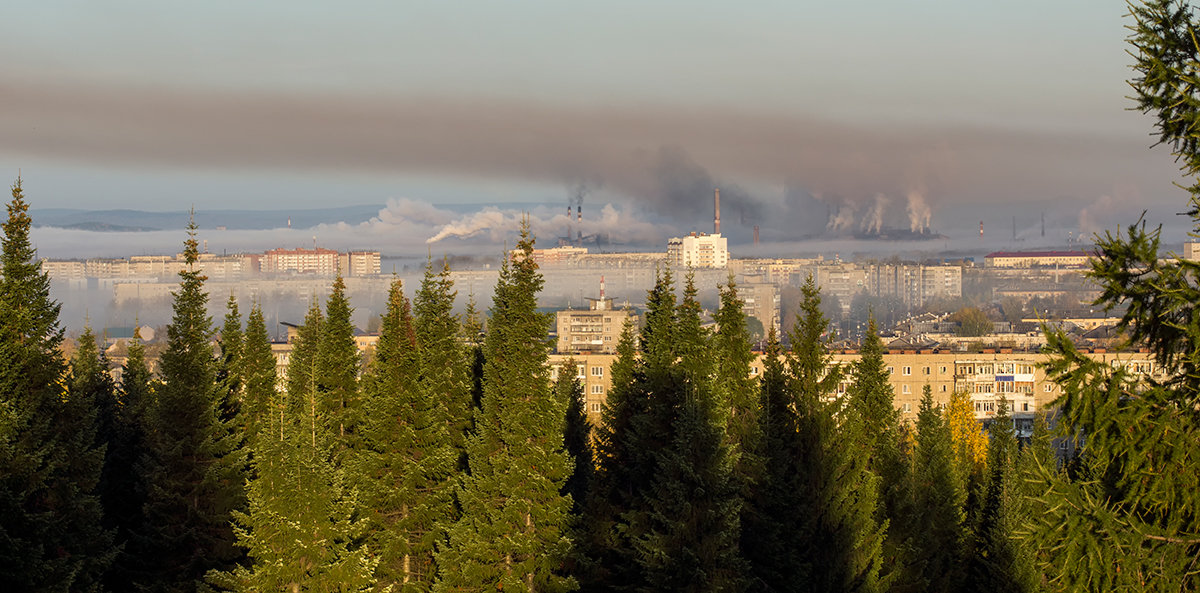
x=1035 y=259
x=595 y=330
x=698 y=250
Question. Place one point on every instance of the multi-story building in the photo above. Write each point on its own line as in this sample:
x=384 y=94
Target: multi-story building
x=985 y=377
x=761 y=301
x=595 y=330
x=592 y=370
x=1035 y=259
x=318 y=261
x=360 y=263
x=698 y=250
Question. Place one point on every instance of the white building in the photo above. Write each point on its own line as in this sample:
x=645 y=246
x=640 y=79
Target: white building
x=698 y=250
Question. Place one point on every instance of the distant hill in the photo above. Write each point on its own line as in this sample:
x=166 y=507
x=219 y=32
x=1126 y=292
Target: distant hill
x=144 y=220
x=147 y=220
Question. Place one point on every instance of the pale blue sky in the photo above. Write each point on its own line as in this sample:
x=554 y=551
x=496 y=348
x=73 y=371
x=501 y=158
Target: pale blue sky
x=158 y=105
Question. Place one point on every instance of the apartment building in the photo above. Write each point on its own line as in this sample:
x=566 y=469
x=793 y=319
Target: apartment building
x=595 y=330
x=698 y=250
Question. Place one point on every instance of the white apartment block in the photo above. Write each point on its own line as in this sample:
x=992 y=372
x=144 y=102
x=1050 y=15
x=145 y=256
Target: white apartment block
x=698 y=250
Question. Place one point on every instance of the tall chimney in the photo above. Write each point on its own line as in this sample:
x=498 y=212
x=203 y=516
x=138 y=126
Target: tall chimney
x=717 y=211
x=579 y=219
x=756 y=235
x=601 y=289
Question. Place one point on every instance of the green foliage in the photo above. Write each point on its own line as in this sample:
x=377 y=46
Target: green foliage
x=577 y=436
x=1129 y=519
x=513 y=532
x=938 y=498
x=972 y=323
x=337 y=370
x=51 y=538
x=444 y=364
x=836 y=541
x=408 y=467
x=1000 y=562
x=192 y=466
x=123 y=429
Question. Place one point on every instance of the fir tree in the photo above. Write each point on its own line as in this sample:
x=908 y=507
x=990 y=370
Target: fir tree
x=50 y=526
x=874 y=420
x=410 y=460
x=300 y=530
x=337 y=370
x=513 y=532
x=260 y=401
x=443 y=370
x=938 y=499
x=605 y=555
x=737 y=391
x=1000 y=563
x=832 y=538
x=122 y=489
x=229 y=368
x=192 y=468
x=577 y=436
x=686 y=531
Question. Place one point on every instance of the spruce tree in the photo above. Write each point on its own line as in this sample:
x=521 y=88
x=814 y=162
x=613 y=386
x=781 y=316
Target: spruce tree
x=737 y=391
x=513 y=532
x=605 y=559
x=50 y=525
x=1000 y=563
x=819 y=491
x=193 y=471
x=122 y=489
x=874 y=420
x=337 y=370
x=260 y=402
x=229 y=367
x=687 y=529
x=410 y=460
x=938 y=499
x=444 y=372
x=577 y=436
x=301 y=529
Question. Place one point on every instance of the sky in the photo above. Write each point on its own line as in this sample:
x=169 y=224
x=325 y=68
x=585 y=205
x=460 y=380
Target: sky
x=811 y=116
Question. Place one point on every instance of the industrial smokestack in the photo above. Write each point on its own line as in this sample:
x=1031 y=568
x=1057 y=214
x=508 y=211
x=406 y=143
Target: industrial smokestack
x=756 y=235
x=981 y=229
x=717 y=211
x=602 y=288
x=579 y=219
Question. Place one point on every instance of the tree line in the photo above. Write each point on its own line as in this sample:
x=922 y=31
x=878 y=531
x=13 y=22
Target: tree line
x=453 y=461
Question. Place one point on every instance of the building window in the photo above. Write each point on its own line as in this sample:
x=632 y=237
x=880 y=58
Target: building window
x=579 y=372
x=596 y=408
x=891 y=370
x=907 y=406
x=926 y=370
x=1025 y=406
x=943 y=389
x=904 y=389
x=597 y=389
x=597 y=371
x=1048 y=387
x=753 y=371
x=907 y=371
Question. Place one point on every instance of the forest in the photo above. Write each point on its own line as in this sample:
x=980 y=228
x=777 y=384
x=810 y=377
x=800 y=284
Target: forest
x=452 y=461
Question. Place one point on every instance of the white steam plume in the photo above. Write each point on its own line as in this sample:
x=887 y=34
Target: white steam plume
x=843 y=220
x=873 y=221
x=918 y=212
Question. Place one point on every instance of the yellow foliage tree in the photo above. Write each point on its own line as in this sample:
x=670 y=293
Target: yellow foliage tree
x=970 y=441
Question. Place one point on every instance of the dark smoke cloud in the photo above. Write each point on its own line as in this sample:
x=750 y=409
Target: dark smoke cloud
x=792 y=174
